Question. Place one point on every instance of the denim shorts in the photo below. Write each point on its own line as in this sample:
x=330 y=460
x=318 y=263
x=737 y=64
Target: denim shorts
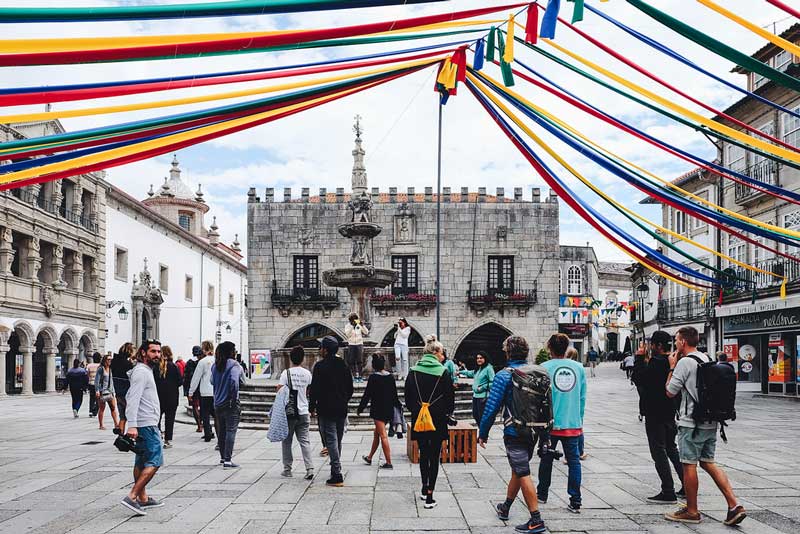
x=520 y=453
x=701 y=447
x=149 y=443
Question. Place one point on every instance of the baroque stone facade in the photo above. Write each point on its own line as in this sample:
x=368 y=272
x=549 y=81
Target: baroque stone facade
x=499 y=265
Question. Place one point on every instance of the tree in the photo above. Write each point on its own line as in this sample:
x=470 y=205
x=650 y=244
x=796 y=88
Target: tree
x=542 y=356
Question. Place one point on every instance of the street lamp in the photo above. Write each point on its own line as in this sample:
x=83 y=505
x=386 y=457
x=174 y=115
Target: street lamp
x=123 y=313
x=644 y=290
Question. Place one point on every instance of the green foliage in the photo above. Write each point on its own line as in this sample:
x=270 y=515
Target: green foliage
x=542 y=356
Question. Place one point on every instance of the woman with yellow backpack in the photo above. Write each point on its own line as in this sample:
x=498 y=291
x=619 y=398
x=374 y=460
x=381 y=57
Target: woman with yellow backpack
x=430 y=399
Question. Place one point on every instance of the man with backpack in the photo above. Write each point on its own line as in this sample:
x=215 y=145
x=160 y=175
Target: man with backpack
x=659 y=423
x=705 y=388
x=569 y=404
x=519 y=444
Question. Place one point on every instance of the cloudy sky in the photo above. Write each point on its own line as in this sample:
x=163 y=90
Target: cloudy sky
x=312 y=149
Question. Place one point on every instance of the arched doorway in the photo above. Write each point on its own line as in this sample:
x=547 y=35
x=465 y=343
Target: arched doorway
x=13 y=364
x=486 y=338
x=414 y=340
x=85 y=348
x=308 y=335
x=145 y=334
x=612 y=341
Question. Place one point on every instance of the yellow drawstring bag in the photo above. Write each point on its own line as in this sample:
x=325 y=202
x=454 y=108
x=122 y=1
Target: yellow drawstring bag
x=424 y=422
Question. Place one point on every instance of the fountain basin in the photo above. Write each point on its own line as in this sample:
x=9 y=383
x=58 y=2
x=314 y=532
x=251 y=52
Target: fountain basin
x=360 y=229
x=362 y=276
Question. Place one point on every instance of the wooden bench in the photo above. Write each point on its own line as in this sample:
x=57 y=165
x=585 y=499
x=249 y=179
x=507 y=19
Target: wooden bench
x=462 y=445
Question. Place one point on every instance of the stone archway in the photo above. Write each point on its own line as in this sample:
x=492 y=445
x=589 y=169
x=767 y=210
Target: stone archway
x=44 y=360
x=307 y=336
x=19 y=359
x=67 y=351
x=487 y=338
x=414 y=340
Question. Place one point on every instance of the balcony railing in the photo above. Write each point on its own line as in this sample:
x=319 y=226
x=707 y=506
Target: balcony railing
x=685 y=308
x=283 y=296
x=765 y=172
x=522 y=295
x=748 y=280
x=416 y=298
x=80 y=220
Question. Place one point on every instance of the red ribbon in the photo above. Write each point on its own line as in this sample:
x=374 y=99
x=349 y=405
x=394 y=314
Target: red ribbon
x=532 y=25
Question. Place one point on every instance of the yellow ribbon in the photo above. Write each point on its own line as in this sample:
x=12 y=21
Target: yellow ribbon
x=713 y=125
x=508 y=54
x=91 y=159
x=783 y=289
x=771 y=37
x=554 y=155
x=63 y=114
x=448 y=74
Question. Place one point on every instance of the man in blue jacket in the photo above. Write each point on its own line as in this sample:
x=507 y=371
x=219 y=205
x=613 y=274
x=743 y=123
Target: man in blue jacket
x=568 y=384
x=519 y=449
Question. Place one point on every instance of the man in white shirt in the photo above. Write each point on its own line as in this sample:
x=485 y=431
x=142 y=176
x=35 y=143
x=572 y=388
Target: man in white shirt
x=300 y=379
x=696 y=441
x=401 y=336
x=201 y=381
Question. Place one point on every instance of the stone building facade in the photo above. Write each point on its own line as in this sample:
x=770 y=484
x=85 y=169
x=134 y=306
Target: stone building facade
x=52 y=274
x=499 y=266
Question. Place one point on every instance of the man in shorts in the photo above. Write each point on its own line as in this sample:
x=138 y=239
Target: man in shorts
x=144 y=411
x=519 y=449
x=696 y=441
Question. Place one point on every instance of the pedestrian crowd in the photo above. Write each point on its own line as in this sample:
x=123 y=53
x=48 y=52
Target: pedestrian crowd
x=685 y=397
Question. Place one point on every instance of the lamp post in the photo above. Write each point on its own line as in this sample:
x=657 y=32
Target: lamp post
x=642 y=292
x=123 y=313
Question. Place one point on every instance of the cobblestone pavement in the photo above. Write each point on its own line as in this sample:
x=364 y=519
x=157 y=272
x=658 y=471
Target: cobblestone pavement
x=61 y=474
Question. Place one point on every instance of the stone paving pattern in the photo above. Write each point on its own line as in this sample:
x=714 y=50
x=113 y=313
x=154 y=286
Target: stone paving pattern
x=54 y=480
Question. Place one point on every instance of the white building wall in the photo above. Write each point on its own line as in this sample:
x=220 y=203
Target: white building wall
x=183 y=322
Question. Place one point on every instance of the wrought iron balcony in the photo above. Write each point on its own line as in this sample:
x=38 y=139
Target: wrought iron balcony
x=683 y=309
x=765 y=172
x=285 y=296
x=399 y=297
x=747 y=280
x=522 y=295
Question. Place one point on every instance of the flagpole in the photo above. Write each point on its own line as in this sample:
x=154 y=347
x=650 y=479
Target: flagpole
x=439 y=225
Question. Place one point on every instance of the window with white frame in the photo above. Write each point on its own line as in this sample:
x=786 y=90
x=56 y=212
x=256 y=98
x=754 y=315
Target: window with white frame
x=163 y=278
x=120 y=263
x=698 y=223
x=737 y=249
x=188 y=288
x=792 y=222
x=758 y=80
x=210 y=301
x=782 y=60
x=791 y=128
x=574 y=280
x=761 y=254
x=679 y=224
x=735 y=157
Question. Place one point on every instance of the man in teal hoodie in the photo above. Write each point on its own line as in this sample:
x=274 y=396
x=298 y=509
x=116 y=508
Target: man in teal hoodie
x=568 y=384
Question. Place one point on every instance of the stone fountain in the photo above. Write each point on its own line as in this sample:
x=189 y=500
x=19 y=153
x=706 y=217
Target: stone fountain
x=361 y=276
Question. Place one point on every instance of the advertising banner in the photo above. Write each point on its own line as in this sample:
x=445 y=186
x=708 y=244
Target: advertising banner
x=779 y=365
x=18 y=371
x=731 y=348
x=260 y=363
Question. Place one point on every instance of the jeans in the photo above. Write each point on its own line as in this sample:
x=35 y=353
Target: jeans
x=570 y=446
x=92 y=401
x=355 y=355
x=661 y=438
x=332 y=429
x=478 y=406
x=401 y=355
x=430 y=449
x=77 y=398
x=206 y=411
x=298 y=427
x=227 y=417
x=580 y=444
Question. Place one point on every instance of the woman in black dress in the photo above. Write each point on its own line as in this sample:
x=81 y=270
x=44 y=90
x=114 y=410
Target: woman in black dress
x=430 y=382
x=168 y=384
x=381 y=395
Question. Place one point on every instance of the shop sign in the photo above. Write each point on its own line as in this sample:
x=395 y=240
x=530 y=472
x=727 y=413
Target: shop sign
x=577 y=331
x=731 y=349
x=778 y=320
x=779 y=364
x=260 y=363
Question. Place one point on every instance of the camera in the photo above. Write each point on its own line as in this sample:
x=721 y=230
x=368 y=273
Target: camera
x=545 y=451
x=126 y=444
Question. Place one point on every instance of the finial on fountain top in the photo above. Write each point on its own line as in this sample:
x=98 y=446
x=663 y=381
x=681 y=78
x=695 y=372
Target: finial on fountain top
x=359 y=177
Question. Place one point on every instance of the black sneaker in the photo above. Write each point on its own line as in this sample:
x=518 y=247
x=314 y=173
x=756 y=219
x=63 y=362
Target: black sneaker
x=532 y=527
x=662 y=498
x=502 y=511
x=336 y=481
x=681 y=493
x=574 y=508
x=429 y=502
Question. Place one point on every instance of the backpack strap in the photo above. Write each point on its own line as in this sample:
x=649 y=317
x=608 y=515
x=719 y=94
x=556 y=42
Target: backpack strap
x=431 y=400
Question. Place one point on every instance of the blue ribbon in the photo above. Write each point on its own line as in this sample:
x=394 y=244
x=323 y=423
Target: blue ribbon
x=550 y=19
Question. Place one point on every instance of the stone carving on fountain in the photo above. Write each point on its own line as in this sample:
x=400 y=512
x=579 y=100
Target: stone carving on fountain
x=361 y=276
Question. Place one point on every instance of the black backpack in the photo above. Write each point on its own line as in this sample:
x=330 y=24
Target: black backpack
x=532 y=402
x=716 y=392
x=292 y=409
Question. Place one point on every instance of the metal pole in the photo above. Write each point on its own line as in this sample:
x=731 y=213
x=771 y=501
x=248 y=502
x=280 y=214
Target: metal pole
x=438 y=225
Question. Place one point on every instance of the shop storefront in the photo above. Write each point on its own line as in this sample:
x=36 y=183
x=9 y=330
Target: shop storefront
x=578 y=334
x=763 y=343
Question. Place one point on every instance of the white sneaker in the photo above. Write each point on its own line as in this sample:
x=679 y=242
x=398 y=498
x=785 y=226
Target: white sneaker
x=75 y=414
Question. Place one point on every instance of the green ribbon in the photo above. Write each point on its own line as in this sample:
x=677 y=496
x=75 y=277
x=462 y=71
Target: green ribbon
x=577 y=11
x=719 y=48
x=490 y=46
x=505 y=68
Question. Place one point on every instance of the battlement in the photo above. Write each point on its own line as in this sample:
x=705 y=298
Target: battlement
x=410 y=196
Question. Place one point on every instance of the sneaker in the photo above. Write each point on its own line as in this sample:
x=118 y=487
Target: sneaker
x=682 y=515
x=429 y=502
x=399 y=435
x=662 y=498
x=534 y=527
x=423 y=494
x=286 y=473
x=735 y=516
x=133 y=506
x=151 y=503
x=335 y=481
x=115 y=431
x=230 y=465
x=221 y=461
x=386 y=466
x=542 y=500
x=367 y=460
x=502 y=511
x=574 y=508
x=681 y=493
x=75 y=414
x=167 y=445
x=309 y=474
x=216 y=447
